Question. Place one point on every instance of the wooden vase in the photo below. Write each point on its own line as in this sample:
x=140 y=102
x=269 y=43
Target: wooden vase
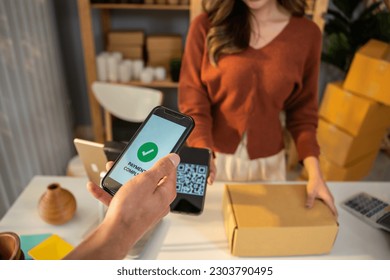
x=57 y=205
x=10 y=246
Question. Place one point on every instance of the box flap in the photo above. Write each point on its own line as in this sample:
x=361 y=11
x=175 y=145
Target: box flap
x=260 y=205
x=229 y=218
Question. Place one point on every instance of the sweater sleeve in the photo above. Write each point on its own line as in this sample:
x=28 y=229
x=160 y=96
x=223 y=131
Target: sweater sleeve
x=193 y=98
x=302 y=106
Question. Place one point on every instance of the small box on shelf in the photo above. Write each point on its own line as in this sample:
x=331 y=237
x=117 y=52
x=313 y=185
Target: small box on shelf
x=126 y=38
x=170 y=42
x=162 y=49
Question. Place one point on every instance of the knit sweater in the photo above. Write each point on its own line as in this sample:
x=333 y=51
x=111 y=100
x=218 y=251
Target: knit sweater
x=247 y=91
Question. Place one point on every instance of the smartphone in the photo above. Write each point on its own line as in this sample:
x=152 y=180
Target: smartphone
x=191 y=181
x=164 y=131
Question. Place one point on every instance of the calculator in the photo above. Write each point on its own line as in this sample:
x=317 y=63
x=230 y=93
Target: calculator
x=370 y=209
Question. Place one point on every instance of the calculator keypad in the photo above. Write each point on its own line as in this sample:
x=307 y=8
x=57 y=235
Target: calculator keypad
x=366 y=204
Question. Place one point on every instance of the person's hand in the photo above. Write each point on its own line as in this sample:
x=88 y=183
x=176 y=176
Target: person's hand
x=141 y=202
x=137 y=206
x=100 y=194
x=316 y=187
x=212 y=172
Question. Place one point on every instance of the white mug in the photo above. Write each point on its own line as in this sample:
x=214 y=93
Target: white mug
x=113 y=62
x=117 y=55
x=129 y=64
x=147 y=75
x=102 y=66
x=137 y=67
x=124 y=72
x=160 y=74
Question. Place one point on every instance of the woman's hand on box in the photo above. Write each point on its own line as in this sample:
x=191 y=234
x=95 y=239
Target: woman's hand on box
x=316 y=187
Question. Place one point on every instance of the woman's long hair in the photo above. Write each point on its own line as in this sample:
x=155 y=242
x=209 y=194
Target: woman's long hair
x=230 y=24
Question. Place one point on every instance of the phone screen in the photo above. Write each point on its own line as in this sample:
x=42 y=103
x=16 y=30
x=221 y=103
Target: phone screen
x=157 y=137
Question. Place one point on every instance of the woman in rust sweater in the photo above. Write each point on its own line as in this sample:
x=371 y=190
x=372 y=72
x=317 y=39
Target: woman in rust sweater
x=244 y=63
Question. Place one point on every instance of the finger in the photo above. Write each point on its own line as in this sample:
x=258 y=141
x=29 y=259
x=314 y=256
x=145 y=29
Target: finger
x=330 y=203
x=99 y=194
x=164 y=167
x=332 y=208
x=109 y=164
x=310 y=200
x=211 y=178
x=213 y=171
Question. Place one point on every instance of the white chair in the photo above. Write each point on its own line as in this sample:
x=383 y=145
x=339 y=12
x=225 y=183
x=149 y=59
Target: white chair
x=128 y=103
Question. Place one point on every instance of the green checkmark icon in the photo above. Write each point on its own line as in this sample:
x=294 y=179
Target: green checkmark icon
x=147 y=152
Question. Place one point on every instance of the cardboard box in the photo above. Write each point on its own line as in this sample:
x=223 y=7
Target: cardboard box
x=354 y=172
x=160 y=58
x=370 y=71
x=168 y=43
x=352 y=113
x=126 y=38
x=272 y=220
x=132 y=52
x=341 y=148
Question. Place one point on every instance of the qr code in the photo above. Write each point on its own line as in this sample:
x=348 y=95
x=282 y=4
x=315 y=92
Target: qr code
x=191 y=178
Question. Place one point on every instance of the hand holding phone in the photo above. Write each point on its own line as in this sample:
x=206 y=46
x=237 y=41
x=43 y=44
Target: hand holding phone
x=164 y=131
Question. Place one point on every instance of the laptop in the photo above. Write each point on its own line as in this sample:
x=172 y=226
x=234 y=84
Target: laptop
x=93 y=156
x=370 y=209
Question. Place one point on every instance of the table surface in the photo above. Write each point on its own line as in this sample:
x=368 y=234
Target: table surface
x=196 y=237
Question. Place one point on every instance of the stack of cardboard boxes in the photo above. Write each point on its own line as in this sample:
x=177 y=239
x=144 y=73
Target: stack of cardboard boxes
x=161 y=49
x=129 y=43
x=355 y=114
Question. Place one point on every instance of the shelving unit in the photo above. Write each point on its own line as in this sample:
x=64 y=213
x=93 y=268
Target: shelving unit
x=85 y=15
x=316 y=10
x=141 y=7
x=155 y=84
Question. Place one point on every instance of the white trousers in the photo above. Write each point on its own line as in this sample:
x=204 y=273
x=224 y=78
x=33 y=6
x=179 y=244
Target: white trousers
x=238 y=166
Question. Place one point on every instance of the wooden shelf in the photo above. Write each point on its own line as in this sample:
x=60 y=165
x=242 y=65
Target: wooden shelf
x=309 y=12
x=154 y=84
x=85 y=8
x=141 y=7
